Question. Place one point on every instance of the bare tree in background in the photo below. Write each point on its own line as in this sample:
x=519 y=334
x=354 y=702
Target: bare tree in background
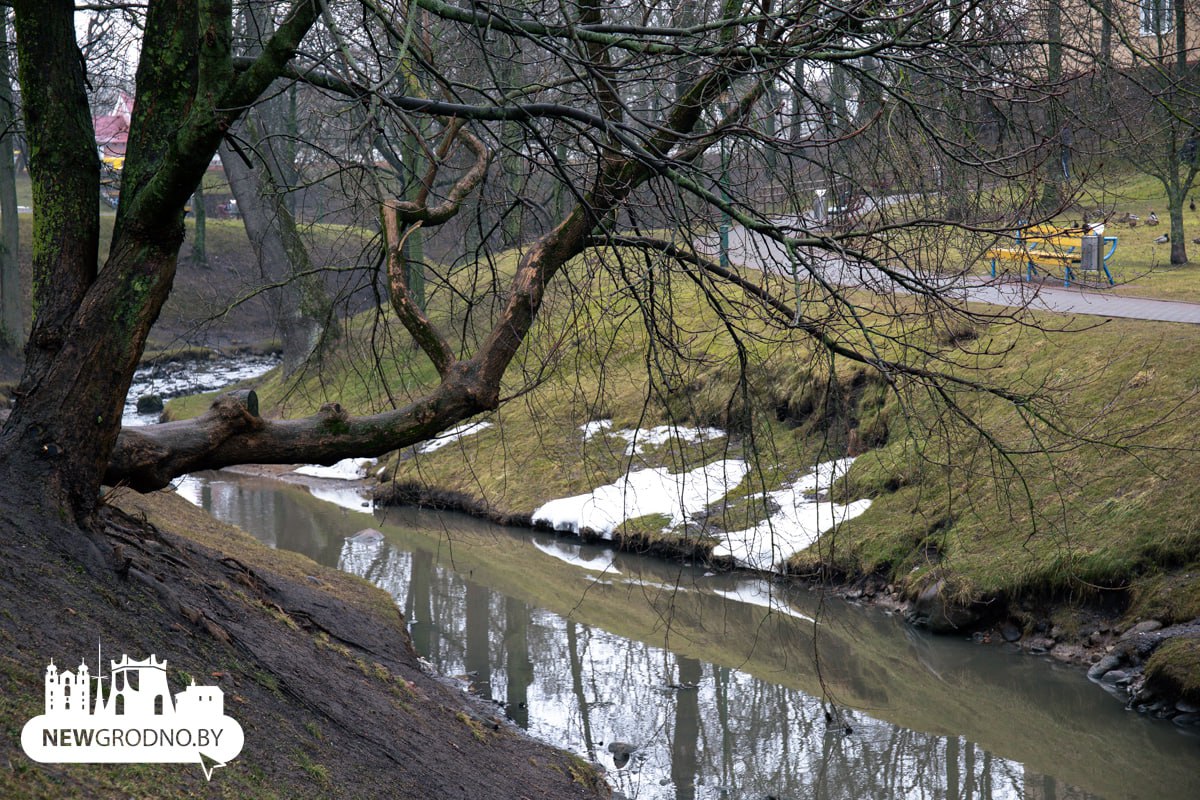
x=1155 y=102
x=262 y=174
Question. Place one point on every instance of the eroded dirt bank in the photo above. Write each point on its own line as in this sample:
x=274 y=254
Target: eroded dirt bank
x=316 y=665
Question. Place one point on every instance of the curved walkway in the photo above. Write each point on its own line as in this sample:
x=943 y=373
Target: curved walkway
x=758 y=252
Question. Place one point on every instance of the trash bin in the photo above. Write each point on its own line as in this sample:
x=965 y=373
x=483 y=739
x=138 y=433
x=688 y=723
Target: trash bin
x=1089 y=253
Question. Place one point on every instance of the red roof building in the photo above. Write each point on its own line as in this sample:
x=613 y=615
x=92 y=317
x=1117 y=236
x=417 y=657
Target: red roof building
x=112 y=130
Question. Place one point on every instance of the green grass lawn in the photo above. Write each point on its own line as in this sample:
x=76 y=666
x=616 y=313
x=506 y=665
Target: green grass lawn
x=1139 y=266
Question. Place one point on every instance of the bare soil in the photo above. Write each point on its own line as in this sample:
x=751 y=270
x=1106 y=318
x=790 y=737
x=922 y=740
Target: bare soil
x=316 y=665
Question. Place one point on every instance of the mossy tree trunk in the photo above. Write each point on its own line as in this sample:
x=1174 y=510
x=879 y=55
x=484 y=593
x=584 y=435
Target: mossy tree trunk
x=12 y=322
x=90 y=324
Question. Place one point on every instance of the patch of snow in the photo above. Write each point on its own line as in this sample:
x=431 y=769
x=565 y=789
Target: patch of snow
x=573 y=554
x=348 y=469
x=797 y=524
x=590 y=429
x=185 y=377
x=452 y=435
x=189 y=488
x=648 y=491
x=639 y=439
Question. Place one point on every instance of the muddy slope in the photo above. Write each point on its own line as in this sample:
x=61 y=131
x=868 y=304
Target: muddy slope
x=315 y=665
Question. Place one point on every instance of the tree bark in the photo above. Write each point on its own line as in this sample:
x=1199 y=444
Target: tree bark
x=199 y=233
x=12 y=304
x=91 y=325
x=298 y=301
x=1178 y=245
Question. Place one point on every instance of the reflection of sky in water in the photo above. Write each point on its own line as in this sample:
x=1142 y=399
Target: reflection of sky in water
x=701 y=731
x=709 y=731
x=572 y=554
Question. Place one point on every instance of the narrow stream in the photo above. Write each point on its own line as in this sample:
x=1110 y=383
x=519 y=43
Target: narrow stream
x=687 y=684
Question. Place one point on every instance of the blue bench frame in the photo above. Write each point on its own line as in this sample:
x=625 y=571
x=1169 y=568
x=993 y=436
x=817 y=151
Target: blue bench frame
x=1029 y=245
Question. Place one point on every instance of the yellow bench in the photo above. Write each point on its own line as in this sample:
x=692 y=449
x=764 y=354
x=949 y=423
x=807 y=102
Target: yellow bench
x=1042 y=247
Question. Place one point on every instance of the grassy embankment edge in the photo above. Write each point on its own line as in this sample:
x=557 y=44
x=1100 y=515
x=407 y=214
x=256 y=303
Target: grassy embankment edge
x=1051 y=522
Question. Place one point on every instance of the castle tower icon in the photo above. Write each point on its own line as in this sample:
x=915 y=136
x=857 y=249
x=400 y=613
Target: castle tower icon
x=67 y=693
x=200 y=702
x=137 y=688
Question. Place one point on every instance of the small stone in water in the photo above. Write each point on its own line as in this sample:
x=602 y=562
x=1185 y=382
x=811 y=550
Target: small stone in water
x=149 y=404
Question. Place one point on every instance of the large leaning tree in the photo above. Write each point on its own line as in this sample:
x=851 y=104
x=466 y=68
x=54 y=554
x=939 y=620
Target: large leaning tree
x=822 y=134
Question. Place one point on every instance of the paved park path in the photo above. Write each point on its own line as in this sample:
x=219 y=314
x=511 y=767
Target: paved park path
x=756 y=251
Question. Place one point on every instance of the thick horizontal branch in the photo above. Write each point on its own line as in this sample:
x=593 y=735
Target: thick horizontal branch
x=231 y=432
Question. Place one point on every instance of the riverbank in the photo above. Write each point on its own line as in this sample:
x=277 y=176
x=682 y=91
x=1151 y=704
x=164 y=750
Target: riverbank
x=952 y=553
x=1128 y=656
x=316 y=665
x=581 y=638
x=1052 y=500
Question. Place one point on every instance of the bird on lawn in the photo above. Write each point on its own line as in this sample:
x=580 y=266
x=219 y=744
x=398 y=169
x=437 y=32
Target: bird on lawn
x=1196 y=240
x=1163 y=239
x=1152 y=219
x=1192 y=204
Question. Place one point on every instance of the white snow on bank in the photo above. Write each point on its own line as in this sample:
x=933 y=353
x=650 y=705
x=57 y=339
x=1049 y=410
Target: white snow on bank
x=797 y=524
x=800 y=520
x=648 y=491
x=185 y=377
x=452 y=435
x=590 y=429
x=189 y=489
x=348 y=469
x=638 y=439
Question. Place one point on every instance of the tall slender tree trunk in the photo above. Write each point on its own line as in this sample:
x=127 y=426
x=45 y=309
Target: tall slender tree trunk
x=299 y=303
x=1185 y=173
x=511 y=164
x=12 y=323
x=1053 y=171
x=199 y=234
x=1177 y=234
